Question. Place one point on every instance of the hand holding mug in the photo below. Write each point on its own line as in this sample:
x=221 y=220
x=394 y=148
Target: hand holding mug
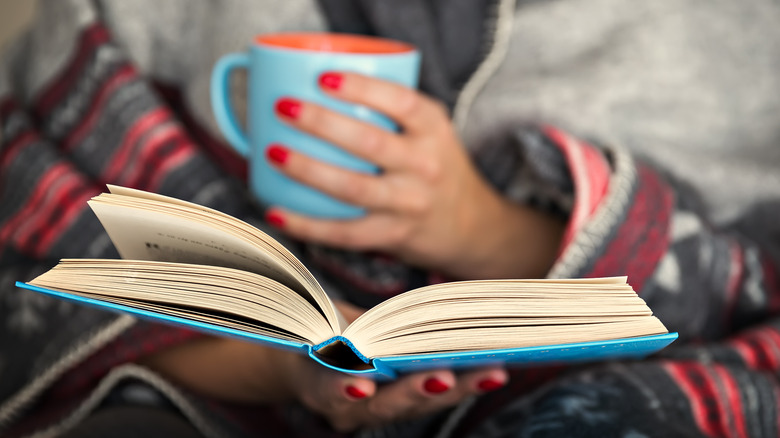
x=429 y=206
x=324 y=154
x=288 y=65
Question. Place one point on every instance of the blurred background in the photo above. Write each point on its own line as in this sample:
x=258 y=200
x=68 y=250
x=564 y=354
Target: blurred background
x=14 y=16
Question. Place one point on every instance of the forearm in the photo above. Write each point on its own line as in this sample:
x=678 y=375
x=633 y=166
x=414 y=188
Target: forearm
x=227 y=369
x=510 y=241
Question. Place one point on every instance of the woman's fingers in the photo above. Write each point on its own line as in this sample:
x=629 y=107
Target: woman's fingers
x=368 y=233
x=364 y=140
x=401 y=399
x=407 y=107
x=331 y=393
x=408 y=396
x=350 y=402
x=391 y=193
x=355 y=188
x=419 y=394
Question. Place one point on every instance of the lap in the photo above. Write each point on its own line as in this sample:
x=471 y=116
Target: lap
x=659 y=398
x=134 y=422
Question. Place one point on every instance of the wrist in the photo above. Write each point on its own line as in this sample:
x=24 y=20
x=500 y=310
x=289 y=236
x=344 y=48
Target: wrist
x=511 y=241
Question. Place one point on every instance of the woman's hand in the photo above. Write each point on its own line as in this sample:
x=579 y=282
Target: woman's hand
x=264 y=375
x=428 y=206
x=350 y=402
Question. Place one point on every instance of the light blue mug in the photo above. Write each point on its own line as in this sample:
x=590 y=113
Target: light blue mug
x=289 y=65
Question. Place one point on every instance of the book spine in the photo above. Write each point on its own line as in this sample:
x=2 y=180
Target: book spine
x=346 y=342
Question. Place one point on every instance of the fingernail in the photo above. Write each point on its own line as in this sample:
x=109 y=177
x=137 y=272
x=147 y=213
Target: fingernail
x=355 y=392
x=331 y=80
x=490 y=384
x=435 y=386
x=288 y=107
x=277 y=154
x=275 y=219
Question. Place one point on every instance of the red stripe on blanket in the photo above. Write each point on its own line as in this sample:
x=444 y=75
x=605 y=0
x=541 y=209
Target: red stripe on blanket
x=160 y=155
x=11 y=150
x=757 y=349
x=61 y=191
x=735 y=410
x=91 y=38
x=219 y=151
x=63 y=216
x=590 y=172
x=701 y=392
x=771 y=340
x=745 y=351
x=125 y=160
x=176 y=157
x=8 y=155
x=758 y=341
x=28 y=219
x=111 y=84
x=643 y=237
x=766 y=347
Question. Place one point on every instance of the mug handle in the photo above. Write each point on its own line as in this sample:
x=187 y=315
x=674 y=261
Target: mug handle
x=220 y=101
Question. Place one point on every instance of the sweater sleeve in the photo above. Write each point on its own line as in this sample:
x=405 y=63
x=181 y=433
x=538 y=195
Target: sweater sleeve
x=715 y=285
x=76 y=121
x=626 y=217
x=69 y=123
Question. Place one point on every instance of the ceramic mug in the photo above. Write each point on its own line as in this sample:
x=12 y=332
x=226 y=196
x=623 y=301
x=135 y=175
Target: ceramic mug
x=289 y=65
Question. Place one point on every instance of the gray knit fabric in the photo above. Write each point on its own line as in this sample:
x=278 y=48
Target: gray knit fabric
x=650 y=76
x=691 y=84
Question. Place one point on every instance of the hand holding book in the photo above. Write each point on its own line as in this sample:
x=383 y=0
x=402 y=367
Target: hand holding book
x=263 y=375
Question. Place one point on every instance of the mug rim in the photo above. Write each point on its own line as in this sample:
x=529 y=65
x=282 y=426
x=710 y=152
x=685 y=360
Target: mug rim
x=331 y=42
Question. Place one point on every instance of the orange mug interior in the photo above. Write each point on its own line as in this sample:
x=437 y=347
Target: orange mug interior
x=333 y=42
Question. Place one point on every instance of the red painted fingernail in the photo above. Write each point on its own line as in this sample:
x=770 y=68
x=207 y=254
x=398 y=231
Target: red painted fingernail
x=490 y=384
x=274 y=219
x=288 y=107
x=435 y=386
x=277 y=154
x=355 y=392
x=331 y=80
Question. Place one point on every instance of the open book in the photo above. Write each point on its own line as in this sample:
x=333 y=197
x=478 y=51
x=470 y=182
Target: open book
x=190 y=265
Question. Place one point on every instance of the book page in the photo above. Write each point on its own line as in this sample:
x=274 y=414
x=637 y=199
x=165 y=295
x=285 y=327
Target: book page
x=495 y=314
x=224 y=296
x=496 y=338
x=145 y=226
